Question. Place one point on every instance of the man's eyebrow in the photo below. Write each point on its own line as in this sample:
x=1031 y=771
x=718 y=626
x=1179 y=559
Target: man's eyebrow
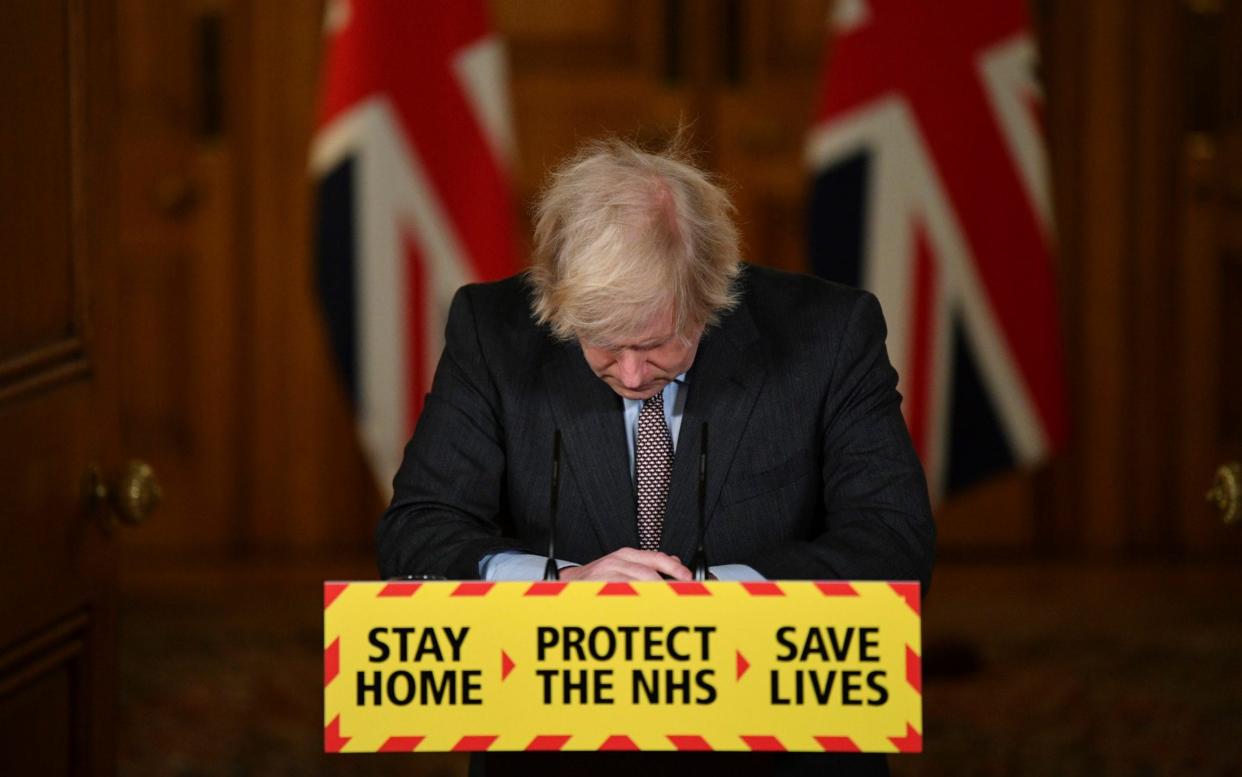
x=655 y=340
x=649 y=343
x=652 y=342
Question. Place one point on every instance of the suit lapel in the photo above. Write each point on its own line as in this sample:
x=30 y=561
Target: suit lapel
x=588 y=413
x=723 y=384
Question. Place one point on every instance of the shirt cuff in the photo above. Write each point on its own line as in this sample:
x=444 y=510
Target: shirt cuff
x=515 y=565
x=736 y=572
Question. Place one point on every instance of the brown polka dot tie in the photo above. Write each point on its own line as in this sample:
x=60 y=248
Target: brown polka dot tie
x=653 y=469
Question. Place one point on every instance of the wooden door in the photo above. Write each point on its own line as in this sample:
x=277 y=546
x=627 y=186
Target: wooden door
x=1210 y=278
x=57 y=388
x=227 y=384
x=180 y=265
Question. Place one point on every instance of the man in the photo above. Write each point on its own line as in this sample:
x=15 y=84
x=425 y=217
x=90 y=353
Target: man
x=636 y=326
x=638 y=315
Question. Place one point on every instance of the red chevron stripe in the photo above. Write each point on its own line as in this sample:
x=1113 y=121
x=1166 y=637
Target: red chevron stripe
x=548 y=742
x=908 y=591
x=763 y=743
x=914 y=669
x=545 y=588
x=399 y=589
x=331 y=591
x=618 y=742
x=331 y=661
x=333 y=742
x=682 y=588
x=912 y=742
x=617 y=589
x=765 y=588
x=689 y=742
x=836 y=588
x=837 y=744
x=400 y=744
x=474 y=743
x=473 y=588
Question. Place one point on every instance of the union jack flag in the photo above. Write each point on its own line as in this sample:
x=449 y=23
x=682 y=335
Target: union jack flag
x=931 y=190
x=410 y=153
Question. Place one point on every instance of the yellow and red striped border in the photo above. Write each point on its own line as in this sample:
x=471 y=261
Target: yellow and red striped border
x=335 y=740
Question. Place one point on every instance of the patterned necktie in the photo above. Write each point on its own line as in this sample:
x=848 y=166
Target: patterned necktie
x=653 y=469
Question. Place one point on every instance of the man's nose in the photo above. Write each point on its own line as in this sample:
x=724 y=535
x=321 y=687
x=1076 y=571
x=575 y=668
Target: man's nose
x=630 y=369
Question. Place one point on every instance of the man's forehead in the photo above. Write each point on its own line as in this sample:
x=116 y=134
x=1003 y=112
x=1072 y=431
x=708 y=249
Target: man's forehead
x=657 y=329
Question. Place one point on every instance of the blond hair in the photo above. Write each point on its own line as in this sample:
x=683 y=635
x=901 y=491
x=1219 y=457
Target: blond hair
x=622 y=234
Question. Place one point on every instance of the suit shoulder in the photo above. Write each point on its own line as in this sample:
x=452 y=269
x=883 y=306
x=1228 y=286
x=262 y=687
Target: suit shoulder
x=498 y=314
x=797 y=300
x=504 y=299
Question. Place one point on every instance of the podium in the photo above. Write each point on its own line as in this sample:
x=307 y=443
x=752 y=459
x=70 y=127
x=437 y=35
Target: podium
x=738 y=666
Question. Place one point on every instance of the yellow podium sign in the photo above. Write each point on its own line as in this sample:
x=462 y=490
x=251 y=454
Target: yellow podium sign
x=439 y=666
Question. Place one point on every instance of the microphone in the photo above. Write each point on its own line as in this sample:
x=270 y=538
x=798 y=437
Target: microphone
x=550 y=572
x=699 y=566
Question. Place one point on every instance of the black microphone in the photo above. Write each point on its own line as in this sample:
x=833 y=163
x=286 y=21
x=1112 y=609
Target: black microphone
x=699 y=566
x=550 y=572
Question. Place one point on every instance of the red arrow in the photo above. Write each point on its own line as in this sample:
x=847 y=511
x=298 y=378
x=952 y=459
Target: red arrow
x=506 y=665
x=742 y=665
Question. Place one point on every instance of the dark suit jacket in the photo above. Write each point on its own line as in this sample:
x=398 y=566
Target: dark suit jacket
x=810 y=473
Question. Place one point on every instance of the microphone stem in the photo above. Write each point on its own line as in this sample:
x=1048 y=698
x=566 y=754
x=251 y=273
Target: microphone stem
x=700 y=555
x=550 y=572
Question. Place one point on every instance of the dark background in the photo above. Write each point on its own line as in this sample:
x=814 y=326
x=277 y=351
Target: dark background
x=1084 y=616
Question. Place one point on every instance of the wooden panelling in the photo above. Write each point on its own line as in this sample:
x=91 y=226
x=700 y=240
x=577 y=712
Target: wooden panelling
x=1209 y=413
x=183 y=268
x=1229 y=406
x=785 y=36
x=1152 y=171
x=581 y=70
x=1061 y=36
x=581 y=36
x=1229 y=313
x=48 y=432
x=38 y=728
x=44 y=701
x=1138 y=128
x=229 y=383
x=41 y=287
x=175 y=280
x=37 y=305
x=58 y=408
x=307 y=483
x=1102 y=254
x=38 y=725
x=1200 y=332
x=762 y=107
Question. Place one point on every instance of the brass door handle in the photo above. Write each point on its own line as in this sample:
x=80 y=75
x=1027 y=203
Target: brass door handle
x=131 y=499
x=1224 y=491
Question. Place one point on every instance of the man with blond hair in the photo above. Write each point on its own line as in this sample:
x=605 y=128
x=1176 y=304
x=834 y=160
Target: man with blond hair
x=637 y=327
x=637 y=324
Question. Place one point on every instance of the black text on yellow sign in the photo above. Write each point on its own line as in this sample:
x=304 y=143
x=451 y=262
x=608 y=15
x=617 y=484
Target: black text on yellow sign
x=586 y=666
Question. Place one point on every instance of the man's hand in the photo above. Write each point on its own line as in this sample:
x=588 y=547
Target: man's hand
x=630 y=564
